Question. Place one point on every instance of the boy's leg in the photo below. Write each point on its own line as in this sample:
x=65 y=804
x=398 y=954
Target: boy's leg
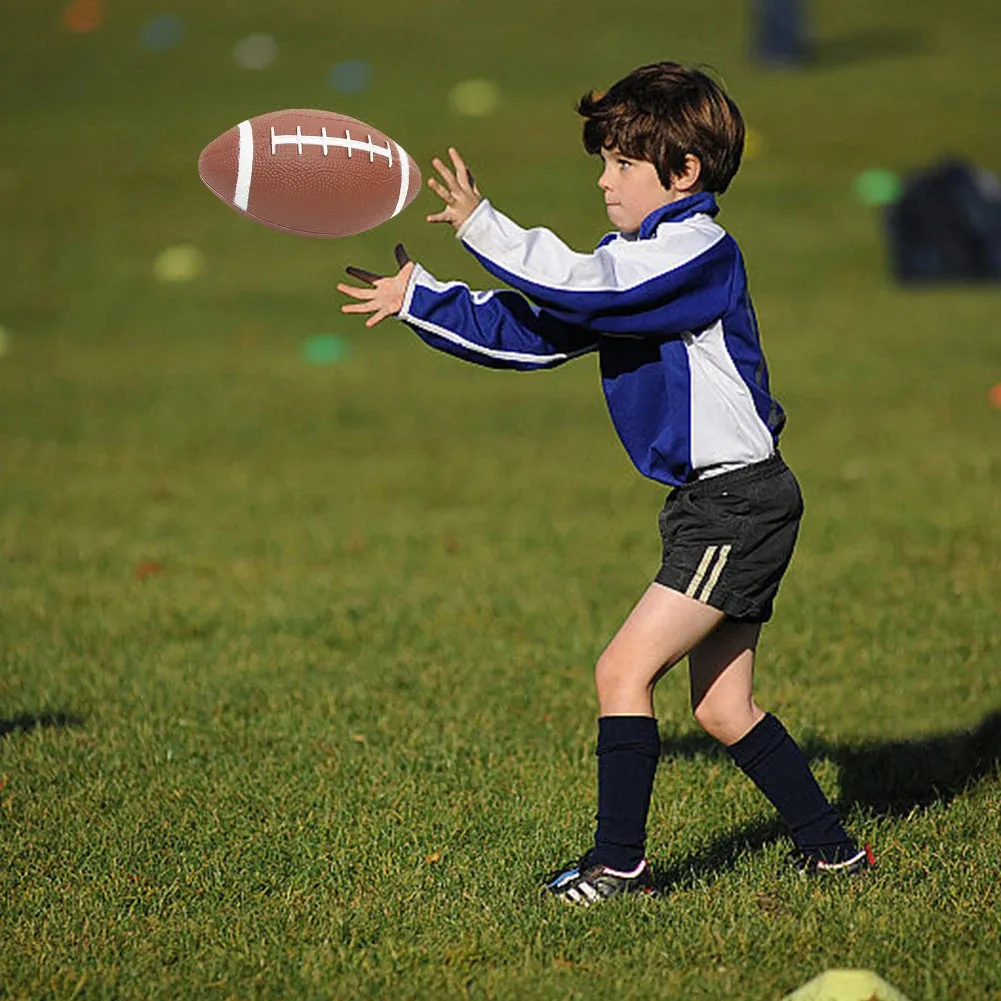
x=663 y=627
x=659 y=631
x=721 y=678
x=722 y=674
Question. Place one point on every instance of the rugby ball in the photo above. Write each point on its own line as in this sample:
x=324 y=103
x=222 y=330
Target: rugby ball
x=312 y=173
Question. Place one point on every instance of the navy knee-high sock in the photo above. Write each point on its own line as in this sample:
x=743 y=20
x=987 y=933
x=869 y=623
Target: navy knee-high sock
x=628 y=749
x=773 y=761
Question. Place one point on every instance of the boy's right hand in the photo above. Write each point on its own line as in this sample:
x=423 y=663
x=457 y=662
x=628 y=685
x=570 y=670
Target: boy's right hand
x=385 y=297
x=457 y=190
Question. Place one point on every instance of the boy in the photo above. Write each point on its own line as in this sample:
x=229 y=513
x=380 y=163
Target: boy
x=663 y=300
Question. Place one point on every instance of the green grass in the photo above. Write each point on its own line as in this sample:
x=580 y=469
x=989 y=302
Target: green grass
x=326 y=747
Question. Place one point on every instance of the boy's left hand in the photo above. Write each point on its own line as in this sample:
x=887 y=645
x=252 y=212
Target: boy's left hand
x=459 y=191
x=385 y=296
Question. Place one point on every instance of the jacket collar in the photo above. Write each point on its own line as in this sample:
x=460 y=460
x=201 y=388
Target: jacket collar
x=704 y=203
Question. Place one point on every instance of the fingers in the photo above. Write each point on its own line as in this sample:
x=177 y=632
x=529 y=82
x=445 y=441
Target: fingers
x=379 y=311
x=359 y=307
x=445 y=194
x=357 y=293
x=456 y=189
x=385 y=299
x=362 y=275
x=461 y=170
x=461 y=179
x=447 y=176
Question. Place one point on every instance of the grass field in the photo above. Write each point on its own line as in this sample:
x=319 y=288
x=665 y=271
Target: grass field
x=295 y=661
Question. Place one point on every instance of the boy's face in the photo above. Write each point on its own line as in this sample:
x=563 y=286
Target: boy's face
x=632 y=190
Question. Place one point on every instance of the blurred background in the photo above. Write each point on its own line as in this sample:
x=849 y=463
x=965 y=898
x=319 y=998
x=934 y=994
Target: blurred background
x=107 y=106
x=255 y=556
x=148 y=329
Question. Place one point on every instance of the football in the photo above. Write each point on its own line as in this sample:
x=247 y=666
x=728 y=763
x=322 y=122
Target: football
x=312 y=173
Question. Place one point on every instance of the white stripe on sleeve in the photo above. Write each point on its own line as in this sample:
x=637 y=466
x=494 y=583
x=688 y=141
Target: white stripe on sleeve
x=423 y=279
x=541 y=257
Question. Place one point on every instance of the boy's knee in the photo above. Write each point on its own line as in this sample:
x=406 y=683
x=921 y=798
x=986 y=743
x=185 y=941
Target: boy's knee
x=726 y=722
x=611 y=676
x=707 y=717
x=606 y=675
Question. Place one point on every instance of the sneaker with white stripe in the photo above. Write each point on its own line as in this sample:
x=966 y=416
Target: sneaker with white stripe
x=587 y=884
x=861 y=862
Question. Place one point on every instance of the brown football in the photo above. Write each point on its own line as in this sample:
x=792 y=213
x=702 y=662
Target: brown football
x=313 y=173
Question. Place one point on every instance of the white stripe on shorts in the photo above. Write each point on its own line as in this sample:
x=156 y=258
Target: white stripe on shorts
x=714 y=576
x=701 y=572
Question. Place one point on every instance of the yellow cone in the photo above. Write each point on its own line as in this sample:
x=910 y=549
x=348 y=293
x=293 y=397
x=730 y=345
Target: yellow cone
x=846 y=985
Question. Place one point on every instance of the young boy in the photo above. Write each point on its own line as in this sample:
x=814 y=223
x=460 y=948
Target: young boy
x=664 y=302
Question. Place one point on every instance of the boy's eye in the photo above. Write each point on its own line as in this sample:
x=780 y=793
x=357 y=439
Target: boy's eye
x=625 y=163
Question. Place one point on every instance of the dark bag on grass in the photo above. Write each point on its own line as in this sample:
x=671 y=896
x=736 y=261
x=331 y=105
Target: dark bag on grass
x=946 y=226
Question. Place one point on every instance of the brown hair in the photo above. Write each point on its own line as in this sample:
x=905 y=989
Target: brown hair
x=662 y=112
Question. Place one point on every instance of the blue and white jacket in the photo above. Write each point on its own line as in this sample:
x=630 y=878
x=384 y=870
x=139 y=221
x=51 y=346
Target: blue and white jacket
x=667 y=309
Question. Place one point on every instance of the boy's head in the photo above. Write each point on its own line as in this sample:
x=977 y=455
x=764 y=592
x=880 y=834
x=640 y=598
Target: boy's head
x=677 y=119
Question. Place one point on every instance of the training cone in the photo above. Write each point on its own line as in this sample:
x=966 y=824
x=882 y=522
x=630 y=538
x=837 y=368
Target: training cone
x=846 y=985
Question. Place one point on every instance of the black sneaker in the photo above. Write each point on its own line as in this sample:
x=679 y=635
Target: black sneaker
x=810 y=865
x=586 y=883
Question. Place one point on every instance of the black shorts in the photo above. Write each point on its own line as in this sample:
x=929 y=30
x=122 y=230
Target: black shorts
x=729 y=538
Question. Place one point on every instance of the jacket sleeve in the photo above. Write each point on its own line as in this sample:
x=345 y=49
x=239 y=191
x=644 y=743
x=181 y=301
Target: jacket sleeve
x=675 y=281
x=499 y=329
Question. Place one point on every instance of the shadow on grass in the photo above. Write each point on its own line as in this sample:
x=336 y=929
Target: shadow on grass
x=888 y=778
x=26 y=722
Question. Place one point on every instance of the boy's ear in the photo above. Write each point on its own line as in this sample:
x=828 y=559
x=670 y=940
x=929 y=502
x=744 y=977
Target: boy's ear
x=688 y=179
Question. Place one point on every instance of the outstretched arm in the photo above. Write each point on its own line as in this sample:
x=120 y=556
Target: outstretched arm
x=385 y=295
x=674 y=281
x=499 y=329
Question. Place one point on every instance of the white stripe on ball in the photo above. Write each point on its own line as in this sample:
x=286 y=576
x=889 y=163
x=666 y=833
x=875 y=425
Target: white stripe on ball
x=246 y=166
